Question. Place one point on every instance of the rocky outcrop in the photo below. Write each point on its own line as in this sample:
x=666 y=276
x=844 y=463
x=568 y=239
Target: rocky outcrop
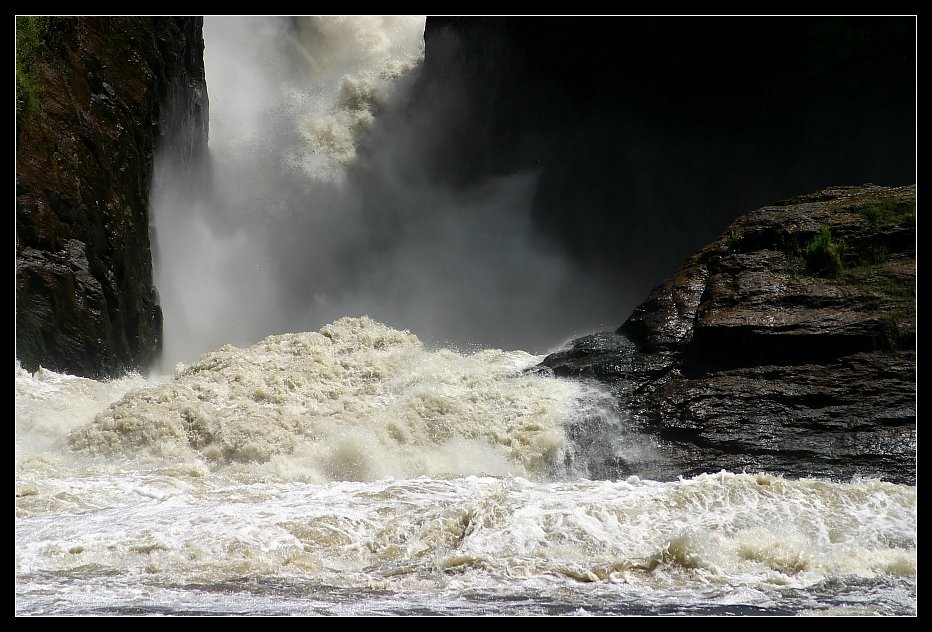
x=93 y=99
x=787 y=345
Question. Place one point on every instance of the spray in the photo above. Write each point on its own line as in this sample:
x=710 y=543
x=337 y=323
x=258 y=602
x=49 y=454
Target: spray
x=317 y=201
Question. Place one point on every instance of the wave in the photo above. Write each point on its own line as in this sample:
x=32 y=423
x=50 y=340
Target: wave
x=355 y=401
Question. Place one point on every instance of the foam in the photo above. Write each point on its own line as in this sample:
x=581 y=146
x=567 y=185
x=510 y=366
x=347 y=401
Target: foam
x=355 y=401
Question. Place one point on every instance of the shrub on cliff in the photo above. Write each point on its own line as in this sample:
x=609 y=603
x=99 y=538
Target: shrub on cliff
x=822 y=255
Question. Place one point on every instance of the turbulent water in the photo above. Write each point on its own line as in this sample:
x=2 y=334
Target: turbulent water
x=353 y=471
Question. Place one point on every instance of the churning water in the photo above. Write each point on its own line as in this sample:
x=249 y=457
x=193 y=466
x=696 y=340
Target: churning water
x=354 y=471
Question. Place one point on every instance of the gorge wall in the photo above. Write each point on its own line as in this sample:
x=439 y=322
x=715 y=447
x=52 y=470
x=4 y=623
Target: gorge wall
x=650 y=135
x=95 y=97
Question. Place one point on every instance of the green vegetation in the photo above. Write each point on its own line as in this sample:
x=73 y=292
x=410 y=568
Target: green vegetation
x=31 y=35
x=823 y=255
x=734 y=236
x=871 y=256
x=888 y=211
x=873 y=267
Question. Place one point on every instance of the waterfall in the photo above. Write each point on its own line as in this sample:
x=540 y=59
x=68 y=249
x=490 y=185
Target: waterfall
x=318 y=200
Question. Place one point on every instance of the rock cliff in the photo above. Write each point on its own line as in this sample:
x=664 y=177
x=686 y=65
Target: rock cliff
x=788 y=344
x=94 y=96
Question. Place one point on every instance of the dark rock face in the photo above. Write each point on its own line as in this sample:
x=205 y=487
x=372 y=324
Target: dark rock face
x=93 y=95
x=787 y=345
x=651 y=134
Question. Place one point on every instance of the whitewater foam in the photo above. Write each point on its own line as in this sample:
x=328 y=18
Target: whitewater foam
x=49 y=405
x=355 y=401
x=477 y=534
x=226 y=489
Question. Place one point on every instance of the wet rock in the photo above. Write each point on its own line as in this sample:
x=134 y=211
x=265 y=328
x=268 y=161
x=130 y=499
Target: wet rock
x=749 y=357
x=93 y=95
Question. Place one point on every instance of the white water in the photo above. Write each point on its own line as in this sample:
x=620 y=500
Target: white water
x=332 y=76
x=353 y=471
x=356 y=401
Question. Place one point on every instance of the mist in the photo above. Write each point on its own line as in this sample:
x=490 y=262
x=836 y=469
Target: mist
x=319 y=198
x=503 y=182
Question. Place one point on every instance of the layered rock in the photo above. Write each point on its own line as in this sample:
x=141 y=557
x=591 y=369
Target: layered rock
x=93 y=99
x=788 y=345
